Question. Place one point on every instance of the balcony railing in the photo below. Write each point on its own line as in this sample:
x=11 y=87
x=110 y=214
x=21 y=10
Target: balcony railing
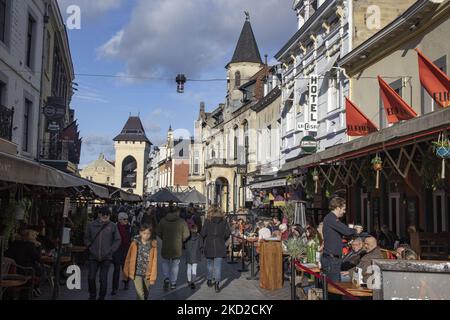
x=6 y=122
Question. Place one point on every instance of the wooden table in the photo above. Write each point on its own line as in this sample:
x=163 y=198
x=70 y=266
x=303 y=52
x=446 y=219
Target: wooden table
x=350 y=287
x=12 y=281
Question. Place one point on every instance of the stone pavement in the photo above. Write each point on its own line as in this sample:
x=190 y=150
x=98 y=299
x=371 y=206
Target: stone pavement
x=235 y=286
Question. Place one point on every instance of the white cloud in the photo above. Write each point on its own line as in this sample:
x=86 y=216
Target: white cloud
x=93 y=145
x=166 y=37
x=90 y=8
x=157 y=112
x=112 y=47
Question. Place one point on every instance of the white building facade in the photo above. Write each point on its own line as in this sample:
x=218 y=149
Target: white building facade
x=21 y=48
x=313 y=90
x=313 y=87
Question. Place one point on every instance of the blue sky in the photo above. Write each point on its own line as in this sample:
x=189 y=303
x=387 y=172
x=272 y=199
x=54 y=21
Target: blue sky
x=157 y=39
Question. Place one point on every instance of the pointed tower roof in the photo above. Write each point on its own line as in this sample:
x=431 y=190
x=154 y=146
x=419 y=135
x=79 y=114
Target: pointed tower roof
x=132 y=131
x=247 y=49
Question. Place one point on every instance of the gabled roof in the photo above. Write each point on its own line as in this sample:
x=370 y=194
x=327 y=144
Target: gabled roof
x=247 y=49
x=133 y=131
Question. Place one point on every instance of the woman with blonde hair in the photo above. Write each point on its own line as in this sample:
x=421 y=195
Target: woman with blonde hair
x=215 y=233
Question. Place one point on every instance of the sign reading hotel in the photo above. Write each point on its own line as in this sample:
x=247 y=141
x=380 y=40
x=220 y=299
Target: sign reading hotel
x=311 y=125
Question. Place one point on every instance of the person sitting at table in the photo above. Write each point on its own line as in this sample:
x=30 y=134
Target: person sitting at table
x=284 y=232
x=27 y=253
x=264 y=232
x=373 y=251
x=275 y=224
x=404 y=252
x=353 y=257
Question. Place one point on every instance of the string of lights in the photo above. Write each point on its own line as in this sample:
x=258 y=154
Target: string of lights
x=157 y=78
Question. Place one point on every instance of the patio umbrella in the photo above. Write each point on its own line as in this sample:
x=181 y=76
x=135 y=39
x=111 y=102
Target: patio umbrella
x=194 y=197
x=164 y=195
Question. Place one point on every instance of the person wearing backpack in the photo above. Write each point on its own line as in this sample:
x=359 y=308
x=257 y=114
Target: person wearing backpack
x=194 y=247
x=173 y=232
x=102 y=239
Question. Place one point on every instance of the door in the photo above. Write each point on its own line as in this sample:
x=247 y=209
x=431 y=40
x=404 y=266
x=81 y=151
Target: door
x=365 y=212
x=440 y=211
x=394 y=212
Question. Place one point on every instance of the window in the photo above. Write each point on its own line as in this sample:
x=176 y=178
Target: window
x=181 y=153
x=237 y=79
x=48 y=52
x=3 y=23
x=397 y=87
x=332 y=93
x=290 y=120
x=30 y=41
x=235 y=153
x=26 y=123
x=246 y=141
x=428 y=104
x=2 y=93
x=108 y=179
x=269 y=146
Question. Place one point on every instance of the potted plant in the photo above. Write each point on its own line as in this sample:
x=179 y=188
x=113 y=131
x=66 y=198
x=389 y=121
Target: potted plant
x=296 y=248
x=442 y=150
x=315 y=176
x=377 y=165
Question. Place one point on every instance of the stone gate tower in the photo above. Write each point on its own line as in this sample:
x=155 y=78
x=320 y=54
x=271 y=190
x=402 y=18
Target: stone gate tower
x=132 y=152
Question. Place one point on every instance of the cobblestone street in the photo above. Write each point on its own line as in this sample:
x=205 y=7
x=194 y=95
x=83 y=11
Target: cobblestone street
x=235 y=286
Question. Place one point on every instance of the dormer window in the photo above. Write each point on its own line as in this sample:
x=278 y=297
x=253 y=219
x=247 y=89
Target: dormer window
x=237 y=79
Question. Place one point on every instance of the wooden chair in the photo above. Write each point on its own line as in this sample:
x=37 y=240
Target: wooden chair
x=9 y=266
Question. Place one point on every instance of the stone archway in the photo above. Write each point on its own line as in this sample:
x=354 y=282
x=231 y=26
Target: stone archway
x=221 y=193
x=129 y=173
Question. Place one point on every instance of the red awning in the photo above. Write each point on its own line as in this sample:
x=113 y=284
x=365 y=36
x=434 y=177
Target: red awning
x=436 y=82
x=396 y=108
x=357 y=122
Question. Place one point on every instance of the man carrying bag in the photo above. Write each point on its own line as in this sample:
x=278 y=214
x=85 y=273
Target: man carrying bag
x=102 y=239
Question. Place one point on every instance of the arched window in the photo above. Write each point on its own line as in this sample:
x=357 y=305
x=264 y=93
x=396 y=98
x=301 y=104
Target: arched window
x=237 y=79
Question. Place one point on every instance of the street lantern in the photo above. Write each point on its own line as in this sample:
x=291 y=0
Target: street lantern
x=181 y=80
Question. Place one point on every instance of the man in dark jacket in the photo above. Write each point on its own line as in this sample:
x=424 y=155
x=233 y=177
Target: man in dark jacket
x=333 y=230
x=120 y=255
x=173 y=232
x=102 y=239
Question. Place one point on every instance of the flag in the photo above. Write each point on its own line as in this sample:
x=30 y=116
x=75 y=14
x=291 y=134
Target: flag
x=436 y=82
x=357 y=122
x=396 y=108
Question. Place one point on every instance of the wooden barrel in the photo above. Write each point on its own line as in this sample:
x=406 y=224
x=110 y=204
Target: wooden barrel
x=271 y=265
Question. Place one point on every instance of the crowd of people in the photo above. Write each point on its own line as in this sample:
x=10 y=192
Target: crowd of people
x=126 y=238
x=131 y=246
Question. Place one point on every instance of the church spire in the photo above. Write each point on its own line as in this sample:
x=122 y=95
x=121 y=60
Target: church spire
x=247 y=48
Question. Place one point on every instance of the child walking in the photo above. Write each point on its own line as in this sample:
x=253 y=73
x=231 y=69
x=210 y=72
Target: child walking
x=193 y=247
x=141 y=262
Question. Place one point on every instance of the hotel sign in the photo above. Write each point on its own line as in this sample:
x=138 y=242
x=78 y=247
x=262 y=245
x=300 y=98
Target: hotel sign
x=311 y=124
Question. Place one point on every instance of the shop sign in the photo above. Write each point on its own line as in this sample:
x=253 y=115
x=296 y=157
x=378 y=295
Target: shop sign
x=308 y=144
x=241 y=170
x=55 y=109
